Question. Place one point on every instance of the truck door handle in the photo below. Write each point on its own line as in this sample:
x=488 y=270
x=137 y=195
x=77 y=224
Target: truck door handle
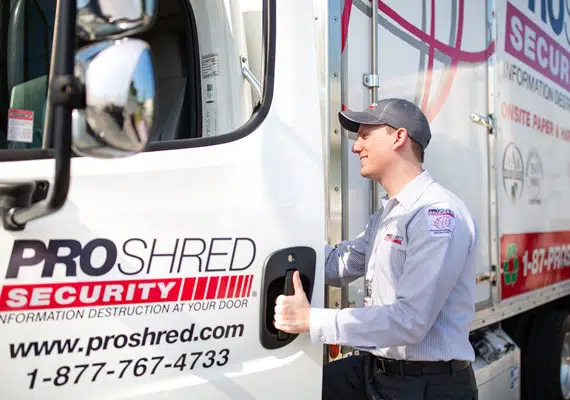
x=278 y=279
x=288 y=290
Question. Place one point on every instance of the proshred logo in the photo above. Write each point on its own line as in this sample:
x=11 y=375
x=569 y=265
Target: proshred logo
x=87 y=264
x=441 y=221
x=440 y=212
x=390 y=237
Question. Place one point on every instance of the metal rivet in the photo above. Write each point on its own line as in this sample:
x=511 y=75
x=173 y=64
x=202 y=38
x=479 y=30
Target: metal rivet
x=336 y=74
x=336 y=18
x=336 y=189
x=336 y=131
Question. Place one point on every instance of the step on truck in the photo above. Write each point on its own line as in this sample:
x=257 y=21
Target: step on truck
x=166 y=164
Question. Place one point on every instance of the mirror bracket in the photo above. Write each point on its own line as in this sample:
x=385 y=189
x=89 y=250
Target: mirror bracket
x=16 y=198
x=19 y=202
x=67 y=91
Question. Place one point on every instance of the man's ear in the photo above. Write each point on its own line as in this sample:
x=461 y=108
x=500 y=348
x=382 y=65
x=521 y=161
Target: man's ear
x=400 y=137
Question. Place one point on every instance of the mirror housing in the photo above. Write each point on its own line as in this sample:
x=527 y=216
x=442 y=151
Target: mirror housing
x=119 y=83
x=105 y=19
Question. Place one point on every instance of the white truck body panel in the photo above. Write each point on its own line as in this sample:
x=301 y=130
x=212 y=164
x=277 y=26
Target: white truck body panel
x=246 y=191
x=533 y=143
x=466 y=76
x=457 y=155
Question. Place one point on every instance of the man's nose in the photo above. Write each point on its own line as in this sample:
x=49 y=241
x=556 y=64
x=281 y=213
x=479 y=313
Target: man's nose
x=357 y=147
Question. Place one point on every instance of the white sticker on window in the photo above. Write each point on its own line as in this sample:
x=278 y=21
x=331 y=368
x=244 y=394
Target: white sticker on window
x=441 y=221
x=20 y=125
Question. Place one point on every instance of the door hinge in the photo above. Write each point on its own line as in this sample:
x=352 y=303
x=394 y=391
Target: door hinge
x=371 y=81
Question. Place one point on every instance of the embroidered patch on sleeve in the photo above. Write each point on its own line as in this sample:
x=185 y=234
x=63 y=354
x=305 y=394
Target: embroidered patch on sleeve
x=441 y=221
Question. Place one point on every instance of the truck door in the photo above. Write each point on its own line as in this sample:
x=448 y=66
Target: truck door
x=157 y=277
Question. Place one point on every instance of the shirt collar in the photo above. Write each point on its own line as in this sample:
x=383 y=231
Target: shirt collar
x=412 y=191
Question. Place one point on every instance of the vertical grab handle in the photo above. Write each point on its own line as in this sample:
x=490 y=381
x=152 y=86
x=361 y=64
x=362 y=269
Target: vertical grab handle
x=288 y=290
x=277 y=279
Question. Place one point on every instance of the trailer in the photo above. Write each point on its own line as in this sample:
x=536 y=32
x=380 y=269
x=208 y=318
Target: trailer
x=164 y=165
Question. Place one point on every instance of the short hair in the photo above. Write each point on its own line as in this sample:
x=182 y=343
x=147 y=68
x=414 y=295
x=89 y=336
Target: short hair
x=417 y=148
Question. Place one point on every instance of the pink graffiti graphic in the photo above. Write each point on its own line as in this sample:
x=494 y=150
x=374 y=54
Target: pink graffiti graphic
x=433 y=106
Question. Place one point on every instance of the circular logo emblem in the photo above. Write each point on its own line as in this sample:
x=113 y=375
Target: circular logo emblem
x=513 y=172
x=534 y=175
x=442 y=222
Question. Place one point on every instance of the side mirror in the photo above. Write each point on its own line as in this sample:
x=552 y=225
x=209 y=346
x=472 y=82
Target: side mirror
x=105 y=19
x=118 y=79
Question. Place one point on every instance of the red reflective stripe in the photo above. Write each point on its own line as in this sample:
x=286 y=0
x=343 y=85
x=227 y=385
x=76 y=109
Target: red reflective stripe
x=232 y=287
x=200 y=289
x=249 y=286
x=239 y=286
x=345 y=22
x=188 y=289
x=223 y=287
x=246 y=282
x=212 y=287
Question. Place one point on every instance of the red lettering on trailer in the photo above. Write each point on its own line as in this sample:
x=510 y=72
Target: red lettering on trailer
x=88 y=294
x=533 y=260
x=216 y=288
x=110 y=293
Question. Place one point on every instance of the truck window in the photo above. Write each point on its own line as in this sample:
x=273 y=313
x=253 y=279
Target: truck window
x=25 y=48
x=200 y=49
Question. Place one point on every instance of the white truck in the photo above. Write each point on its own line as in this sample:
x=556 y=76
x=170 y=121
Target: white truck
x=199 y=159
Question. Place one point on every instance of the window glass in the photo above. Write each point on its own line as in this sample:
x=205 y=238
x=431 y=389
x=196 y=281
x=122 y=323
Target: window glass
x=26 y=36
x=208 y=57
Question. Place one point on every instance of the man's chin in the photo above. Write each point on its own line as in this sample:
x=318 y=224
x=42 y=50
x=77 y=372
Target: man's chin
x=368 y=174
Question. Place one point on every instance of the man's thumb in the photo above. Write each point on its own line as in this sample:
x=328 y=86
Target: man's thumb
x=297 y=284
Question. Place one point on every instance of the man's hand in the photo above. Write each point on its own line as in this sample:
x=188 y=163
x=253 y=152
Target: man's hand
x=292 y=312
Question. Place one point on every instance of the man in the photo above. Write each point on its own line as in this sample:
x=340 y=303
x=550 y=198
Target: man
x=417 y=254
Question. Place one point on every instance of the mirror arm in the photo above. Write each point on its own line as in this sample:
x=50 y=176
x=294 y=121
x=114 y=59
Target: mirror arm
x=251 y=78
x=64 y=94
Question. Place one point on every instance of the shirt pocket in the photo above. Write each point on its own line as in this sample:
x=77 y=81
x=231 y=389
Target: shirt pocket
x=391 y=254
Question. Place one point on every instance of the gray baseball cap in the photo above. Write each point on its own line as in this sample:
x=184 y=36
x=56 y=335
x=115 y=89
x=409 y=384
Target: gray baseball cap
x=397 y=113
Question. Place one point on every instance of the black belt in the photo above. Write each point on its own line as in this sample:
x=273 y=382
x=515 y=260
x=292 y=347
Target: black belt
x=417 y=368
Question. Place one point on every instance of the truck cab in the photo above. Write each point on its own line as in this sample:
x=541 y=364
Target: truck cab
x=158 y=275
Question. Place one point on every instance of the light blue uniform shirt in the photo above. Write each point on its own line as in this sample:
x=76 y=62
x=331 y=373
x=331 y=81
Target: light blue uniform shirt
x=418 y=255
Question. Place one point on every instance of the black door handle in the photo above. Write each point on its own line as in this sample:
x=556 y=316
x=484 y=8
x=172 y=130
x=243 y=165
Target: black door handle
x=288 y=290
x=278 y=279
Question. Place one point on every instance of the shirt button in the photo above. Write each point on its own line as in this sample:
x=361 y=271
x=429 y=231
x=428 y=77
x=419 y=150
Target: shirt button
x=323 y=339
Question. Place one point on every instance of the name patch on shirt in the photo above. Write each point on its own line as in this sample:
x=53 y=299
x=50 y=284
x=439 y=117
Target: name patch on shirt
x=441 y=221
x=390 y=237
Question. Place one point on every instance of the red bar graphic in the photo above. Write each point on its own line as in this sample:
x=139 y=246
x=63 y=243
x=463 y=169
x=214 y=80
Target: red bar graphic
x=201 y=288
x=239 y=286
x=188 y=289
x=250 y=284
x=88 y=294
x=246 y=281
x=232 y=287
x=212 y=287
x=223 y=287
